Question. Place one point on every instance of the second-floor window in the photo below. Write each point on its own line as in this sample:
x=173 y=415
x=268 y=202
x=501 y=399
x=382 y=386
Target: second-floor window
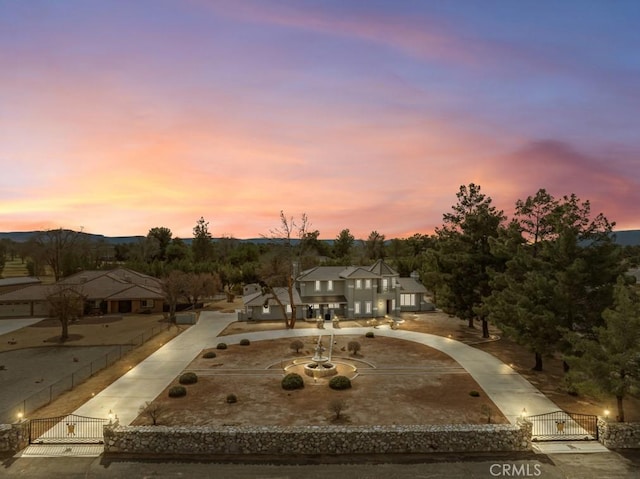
x=367 y=283
x=330 y=285
x=358 y=284
x=385 y=284
x=317 y=285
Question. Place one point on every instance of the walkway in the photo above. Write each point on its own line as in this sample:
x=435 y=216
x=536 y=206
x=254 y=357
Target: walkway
x=10 y=325
x=149 y=378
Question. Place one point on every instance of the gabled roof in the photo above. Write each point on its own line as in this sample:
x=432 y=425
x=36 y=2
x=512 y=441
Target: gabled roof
x=383 y=269
x=118 y=284
x=410 y=285
x=19 y=280
x=321 y=273
x=356 y=272
x=258 y=299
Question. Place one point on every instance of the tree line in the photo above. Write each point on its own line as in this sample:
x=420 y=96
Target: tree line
x=550 y=277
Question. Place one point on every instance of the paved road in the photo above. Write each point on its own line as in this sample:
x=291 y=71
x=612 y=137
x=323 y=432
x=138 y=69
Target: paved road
x=481 y=466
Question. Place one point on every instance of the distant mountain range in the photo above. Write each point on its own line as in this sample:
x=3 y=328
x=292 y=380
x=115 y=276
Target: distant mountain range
x=623 y=238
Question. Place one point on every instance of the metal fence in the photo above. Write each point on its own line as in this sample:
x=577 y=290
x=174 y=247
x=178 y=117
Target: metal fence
x=67 y=383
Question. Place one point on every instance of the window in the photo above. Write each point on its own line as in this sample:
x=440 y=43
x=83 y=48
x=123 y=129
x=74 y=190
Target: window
x=385 y=284
x=265 y=309
x=146 y=303
x=317 y=285
x=330 y=285
x=407 y=300
x=367 y=283
x=356 y=307
x=367 y=307
x=358 y=284
x=289 y=308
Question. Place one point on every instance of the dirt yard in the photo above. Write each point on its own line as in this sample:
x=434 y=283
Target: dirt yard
x=397 y=382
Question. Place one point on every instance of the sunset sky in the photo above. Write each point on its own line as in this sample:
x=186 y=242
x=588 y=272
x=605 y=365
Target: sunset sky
x=117 y=116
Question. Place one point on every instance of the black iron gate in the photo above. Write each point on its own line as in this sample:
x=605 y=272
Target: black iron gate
x=70 y=429
x=564 y=426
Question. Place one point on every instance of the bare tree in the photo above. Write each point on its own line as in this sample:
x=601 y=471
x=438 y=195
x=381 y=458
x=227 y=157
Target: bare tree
x=153 y=411
x=173 y=287
x=66 y=304
x=337 y=406
x=197 y=286
x=280 y=269
x=55 y=246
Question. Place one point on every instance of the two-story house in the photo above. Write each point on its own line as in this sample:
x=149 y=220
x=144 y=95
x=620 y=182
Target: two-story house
x=349 y=292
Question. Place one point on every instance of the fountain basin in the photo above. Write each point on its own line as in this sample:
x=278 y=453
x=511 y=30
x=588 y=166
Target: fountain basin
x=320 y=370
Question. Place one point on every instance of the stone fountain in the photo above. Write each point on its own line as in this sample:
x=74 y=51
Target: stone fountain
x=320 y=366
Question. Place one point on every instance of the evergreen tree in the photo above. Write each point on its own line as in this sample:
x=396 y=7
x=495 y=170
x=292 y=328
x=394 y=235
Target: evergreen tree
x=463 y=254
x=609 y=361
x=202 y=245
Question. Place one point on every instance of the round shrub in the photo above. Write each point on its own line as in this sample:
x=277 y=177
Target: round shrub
x=474 y=394
x=369 y=334
x=245 y=342
x=221 y=346
x=296 y=345
x=209 y=355
x=232 y=398
x=188 y=378
x=177 y=392
x=340 y=382
x=292 y=381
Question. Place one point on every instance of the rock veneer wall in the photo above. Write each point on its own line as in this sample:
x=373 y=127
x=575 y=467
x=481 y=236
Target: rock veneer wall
x=619 y=435
x=14 y=437
x=239 y=440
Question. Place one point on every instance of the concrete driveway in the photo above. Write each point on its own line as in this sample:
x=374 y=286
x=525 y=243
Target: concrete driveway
x=9 y=325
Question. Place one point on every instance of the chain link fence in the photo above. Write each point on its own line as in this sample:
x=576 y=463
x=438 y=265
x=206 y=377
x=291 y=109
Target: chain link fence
x=46 y=395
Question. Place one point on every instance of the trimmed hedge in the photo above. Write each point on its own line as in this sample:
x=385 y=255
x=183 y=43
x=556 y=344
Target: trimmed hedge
x=221 y=346
x=188 y=378
x=292 y=381
x=232 y=398
x=209 y=355
x=369 y=334
x=340 y=382
x=245 y=342
x=177 y=392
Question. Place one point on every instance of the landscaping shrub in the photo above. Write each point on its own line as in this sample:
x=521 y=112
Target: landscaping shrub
x=354 y=347
x=232 y=398
x=474 y=394
x=188 y=378
x=221 y=346
x=209 y=355
x=245 y=342
x=292 y=381
x=340 y=382
x=369 y=334
x=177 y=392
x=296 y=345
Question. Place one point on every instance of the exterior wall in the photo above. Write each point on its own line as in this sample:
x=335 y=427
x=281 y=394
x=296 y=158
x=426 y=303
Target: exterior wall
x=256 y=313
x=16 y=309
x=619 y=435
x=14 y=437
x=258 y=440
x=363 y=295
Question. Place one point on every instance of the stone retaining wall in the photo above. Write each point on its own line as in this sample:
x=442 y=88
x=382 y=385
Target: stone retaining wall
x=14 y=437
x=316 y=440
x=619 y=435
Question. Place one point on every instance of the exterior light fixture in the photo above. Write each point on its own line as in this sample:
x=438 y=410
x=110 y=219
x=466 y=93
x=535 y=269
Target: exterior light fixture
x=20 y=416
x=606 y=413
x=524 y=413
x=110 y=416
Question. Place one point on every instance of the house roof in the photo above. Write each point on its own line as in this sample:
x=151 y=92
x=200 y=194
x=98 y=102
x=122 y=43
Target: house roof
x=324 y=299
x=383 y=269
x=410 y=285
x=259 y=298
x=19 y=280
x=118 y=284
x=321 y=273
x=356 y=272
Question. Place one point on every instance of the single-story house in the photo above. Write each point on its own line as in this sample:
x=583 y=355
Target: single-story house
x=105 y=292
